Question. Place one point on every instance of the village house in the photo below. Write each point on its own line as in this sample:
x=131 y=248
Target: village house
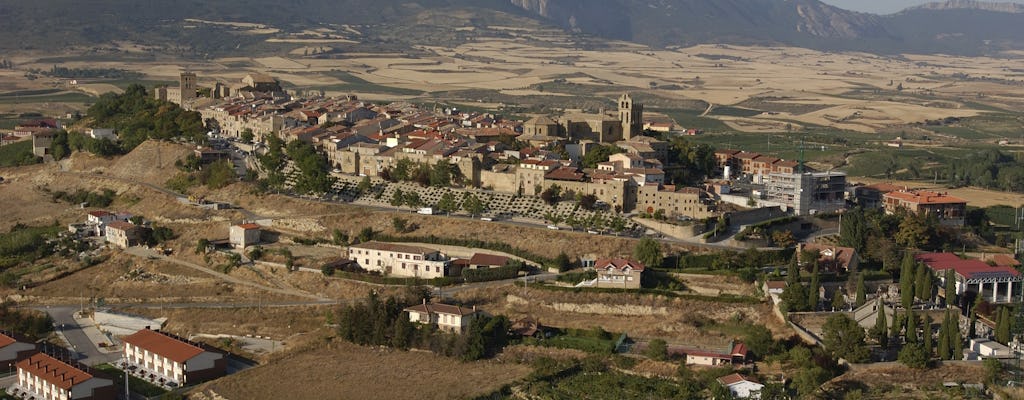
x=169 y=359
x=620 y=273
x=400 y=260
x=832 y=258
x=741 y=387
x=447 y=317
x=124 y=234
x=774 y=290
x=948 y=209
x=244 y=235
x=43 y=377
x=13 y=350
x=736 y=353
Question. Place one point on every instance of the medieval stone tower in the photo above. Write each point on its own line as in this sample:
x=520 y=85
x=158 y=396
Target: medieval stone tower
x=187 y=84
x=632 y=117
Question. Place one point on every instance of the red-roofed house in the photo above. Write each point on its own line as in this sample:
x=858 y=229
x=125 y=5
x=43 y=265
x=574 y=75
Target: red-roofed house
x=481 y=260
x=736 y=353
x=244 y=235
x=172 y=359
x=618 y=273
x=833 y=258
x=47 y=378
x=995 y=284
x=741 y=387
x=949 y=210
x=447 y=317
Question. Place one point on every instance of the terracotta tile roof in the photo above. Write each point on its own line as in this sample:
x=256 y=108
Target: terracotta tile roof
x=925 y=197
x=739 y=350
x=439 y=308
x=163 y=345
x=840 y=255
x=969 y=269
x=6 y=340
x=746 y=155
x=776 y=284
x=488 y=259
x=727 y=152
x=565 y=174
x=398 y=248
x=122 y=226
x=618 y=263
x=53 y=371
x=248 y=226
x=733 y=379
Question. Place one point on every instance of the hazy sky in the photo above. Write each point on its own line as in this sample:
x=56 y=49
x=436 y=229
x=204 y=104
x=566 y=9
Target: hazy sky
x=885 y=6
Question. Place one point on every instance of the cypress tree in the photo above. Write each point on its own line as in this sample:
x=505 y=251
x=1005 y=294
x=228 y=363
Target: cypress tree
x=927 y=331
x=894 y=331
x=813 y=292
x=922 y=283
x=958 y=340
x=907 y=281
x=950 y=287
x=974 y=321
x=911 y=331
x=793 y=271
x=881 y=329
x=861 y=291
x=944 y=349
x=1003 y=326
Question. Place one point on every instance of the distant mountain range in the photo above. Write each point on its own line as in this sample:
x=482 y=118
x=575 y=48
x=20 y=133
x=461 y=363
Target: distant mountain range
x=955 y=27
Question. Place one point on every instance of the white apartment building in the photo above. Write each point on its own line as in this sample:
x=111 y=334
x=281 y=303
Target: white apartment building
x=400 y=260
x=43 y=377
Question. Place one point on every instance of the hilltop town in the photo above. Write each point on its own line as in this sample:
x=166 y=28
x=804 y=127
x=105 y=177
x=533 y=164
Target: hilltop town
x=244 y=233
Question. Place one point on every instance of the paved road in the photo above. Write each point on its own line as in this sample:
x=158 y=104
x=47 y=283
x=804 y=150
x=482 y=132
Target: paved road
x=83 y=348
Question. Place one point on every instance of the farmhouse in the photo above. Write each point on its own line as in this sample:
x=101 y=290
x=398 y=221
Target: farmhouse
x=997 y=284
x=44 y=377
x=124 y=234
x=400 y=260
x=447 y=317
x=171 y=359
x=244 y=235
x=741 y=387
x=735 y=354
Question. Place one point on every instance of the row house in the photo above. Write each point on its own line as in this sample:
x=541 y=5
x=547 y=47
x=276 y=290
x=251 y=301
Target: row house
x=170 y=359
x=400 y=260
x=755 y=164
x=46 y=378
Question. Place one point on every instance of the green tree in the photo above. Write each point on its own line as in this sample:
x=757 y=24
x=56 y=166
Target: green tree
x=838 y=302
x=993 y=369
x=793 y=271
x=957 y=338
x=400 y=224
x=1003 y=325
x=760 y=341
x=923 y=283
x=441 y=174
x=907 y=280
x=927 y=335
x=844 y=338
x=794 y=298
x=552 y=195
x=910 y=334
x=202 y=246
x=339 y=238
x=657 y=350
x=397 y=198
x=855 y=230
x=913 y=355
x=447 y=203
x=472 y=205
x=861 y=291
x=950 y=287
x=599 y=154
x=814 y=290
x=247 y=136
x=945 y=347
x=648 y=252
x=561 y=262
x=363 y=186
x=412 y=199
x=881 y=329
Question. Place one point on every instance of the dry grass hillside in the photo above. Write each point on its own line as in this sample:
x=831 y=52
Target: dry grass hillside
x=342 y=370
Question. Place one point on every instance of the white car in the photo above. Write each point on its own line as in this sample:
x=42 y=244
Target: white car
x=553 y=227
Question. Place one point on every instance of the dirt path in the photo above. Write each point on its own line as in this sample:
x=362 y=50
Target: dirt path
x=710 y=107
x=143 y=252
